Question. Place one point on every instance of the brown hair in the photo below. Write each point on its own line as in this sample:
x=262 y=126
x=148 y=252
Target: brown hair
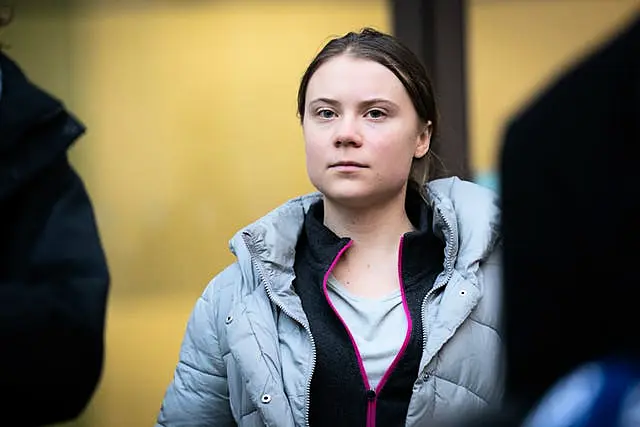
x=390 y=52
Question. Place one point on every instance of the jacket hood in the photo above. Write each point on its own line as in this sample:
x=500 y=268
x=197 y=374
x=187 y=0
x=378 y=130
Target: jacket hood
x=466 y=218
x=34 y=127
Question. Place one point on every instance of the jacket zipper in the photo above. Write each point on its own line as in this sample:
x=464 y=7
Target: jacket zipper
x=372 y=395
x=448 y=274
x=278 y=303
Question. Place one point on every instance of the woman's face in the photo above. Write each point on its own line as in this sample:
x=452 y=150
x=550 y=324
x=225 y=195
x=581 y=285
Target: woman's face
x=361 y=132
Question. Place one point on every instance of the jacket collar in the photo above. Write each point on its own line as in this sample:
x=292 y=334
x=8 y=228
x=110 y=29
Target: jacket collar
x=35 y=127
x=419 y=245
x=465 y=218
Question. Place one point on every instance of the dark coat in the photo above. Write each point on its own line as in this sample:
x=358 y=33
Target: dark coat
x=570 y=179
x=570 y=190
x=53 y=274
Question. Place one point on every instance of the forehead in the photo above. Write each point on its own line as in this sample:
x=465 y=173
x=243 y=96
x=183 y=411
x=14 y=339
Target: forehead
x=346 y=75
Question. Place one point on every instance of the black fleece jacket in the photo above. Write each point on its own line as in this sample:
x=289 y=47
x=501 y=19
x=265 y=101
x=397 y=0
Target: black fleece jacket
x=338 y=393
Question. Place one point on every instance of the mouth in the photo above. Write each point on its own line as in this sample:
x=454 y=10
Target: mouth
x=347 y=164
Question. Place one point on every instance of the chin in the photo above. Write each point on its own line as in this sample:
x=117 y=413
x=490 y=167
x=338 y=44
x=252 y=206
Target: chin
x=349 y=201
x=352 y=196
x=357 y=193
x=343 y=192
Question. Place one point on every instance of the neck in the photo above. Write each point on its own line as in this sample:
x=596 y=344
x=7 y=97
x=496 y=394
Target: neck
x=377 y=227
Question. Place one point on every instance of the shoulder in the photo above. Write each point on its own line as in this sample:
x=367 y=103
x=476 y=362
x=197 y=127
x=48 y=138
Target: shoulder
x=465 y=195
x=218 y=297
x=222 y=286
x=475 y=211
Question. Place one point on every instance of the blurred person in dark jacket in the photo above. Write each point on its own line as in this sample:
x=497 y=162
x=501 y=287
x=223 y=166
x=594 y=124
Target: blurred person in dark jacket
x=53 y=273
x=570 y=190
x=570 y=184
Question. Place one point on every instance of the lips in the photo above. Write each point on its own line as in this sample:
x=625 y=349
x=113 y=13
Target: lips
x=348 y=164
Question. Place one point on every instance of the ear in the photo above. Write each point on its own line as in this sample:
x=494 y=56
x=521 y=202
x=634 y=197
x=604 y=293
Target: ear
x=423 y=141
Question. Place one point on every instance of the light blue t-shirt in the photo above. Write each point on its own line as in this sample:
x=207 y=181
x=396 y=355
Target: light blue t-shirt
x=378 y=325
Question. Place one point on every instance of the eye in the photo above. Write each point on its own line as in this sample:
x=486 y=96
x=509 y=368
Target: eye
x=376 y=114
x=325 y=113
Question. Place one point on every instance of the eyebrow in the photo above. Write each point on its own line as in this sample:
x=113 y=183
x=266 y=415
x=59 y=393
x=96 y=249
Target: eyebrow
x=365 y=104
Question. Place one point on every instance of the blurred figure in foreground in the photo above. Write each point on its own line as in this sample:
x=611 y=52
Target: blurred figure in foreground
x=571 y=221
x=53 y=273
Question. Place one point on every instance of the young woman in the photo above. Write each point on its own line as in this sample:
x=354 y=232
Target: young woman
x=375 y=300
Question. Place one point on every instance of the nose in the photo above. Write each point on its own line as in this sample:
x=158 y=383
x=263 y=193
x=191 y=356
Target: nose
x=347 y=133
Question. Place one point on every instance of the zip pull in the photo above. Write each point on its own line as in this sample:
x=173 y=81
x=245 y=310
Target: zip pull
x=371 y=395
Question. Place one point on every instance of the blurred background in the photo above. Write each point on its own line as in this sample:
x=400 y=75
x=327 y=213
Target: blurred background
x=192 y=134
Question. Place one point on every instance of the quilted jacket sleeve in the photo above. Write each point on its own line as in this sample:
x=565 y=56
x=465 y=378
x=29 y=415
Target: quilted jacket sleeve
x=198 y=396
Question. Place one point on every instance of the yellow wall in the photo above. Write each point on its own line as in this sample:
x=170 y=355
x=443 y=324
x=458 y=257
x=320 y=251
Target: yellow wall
x=192 y=134
x=516 y=46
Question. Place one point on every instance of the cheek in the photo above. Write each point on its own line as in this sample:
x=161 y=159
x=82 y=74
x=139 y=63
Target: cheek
x=313 y=150
x=400 y=147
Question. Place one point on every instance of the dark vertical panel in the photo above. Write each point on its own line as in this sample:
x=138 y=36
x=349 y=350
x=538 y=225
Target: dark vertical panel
x=435 y=30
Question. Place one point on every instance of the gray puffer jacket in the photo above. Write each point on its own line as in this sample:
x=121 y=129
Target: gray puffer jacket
x=249 y=323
